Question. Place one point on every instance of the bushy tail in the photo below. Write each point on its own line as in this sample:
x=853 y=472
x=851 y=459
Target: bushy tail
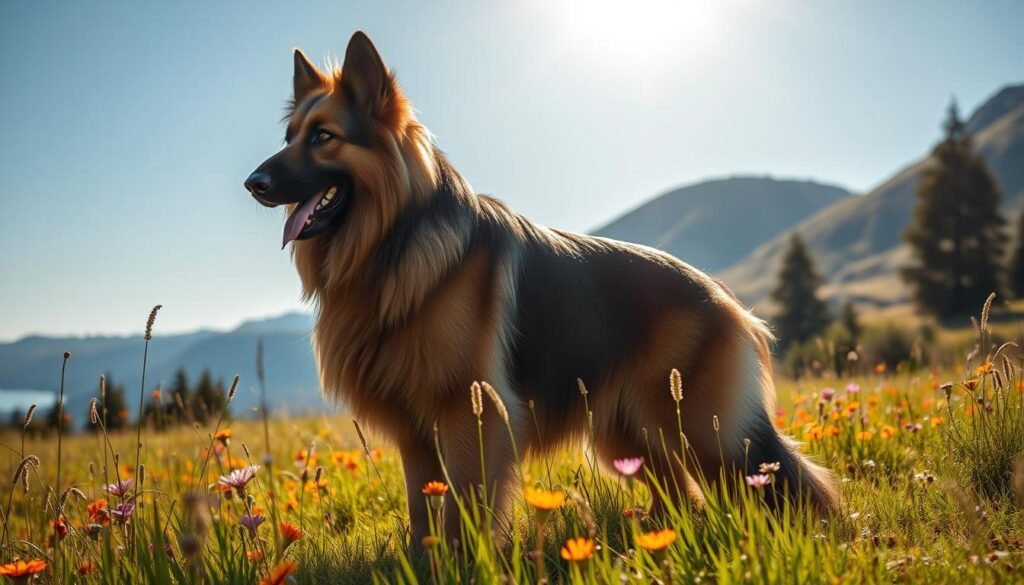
x=798 y=478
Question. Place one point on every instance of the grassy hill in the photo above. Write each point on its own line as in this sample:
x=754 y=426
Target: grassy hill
x=857 y=243
x=715 y=223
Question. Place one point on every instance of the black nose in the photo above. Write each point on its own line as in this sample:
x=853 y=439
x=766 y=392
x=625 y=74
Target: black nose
x=258 y=183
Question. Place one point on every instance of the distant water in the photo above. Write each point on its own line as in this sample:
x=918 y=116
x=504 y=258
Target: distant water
x=20 y=400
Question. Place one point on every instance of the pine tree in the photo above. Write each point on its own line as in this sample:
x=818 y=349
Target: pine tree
x=1016 y=275
x=180 y=394
x=848 y=317
x=114 y=411
x=956 y=234
x=210 y=398
x=801 y=314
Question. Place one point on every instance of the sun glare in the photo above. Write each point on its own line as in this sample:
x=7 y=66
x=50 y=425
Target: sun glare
x=637 y=32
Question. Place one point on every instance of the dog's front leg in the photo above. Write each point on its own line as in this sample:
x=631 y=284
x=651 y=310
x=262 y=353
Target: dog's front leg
x=467 y=443
x=420 y=464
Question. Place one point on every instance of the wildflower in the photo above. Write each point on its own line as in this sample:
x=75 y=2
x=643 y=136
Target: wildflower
x=98 y=511
x=430 y=541
x=254 y=555
x=239 y=478
x=224 y=436
x=543 y=499
x=758 y=480
x=628 y=466
x=657 y=540
x=937 y=421
x=252 y=522
x=60 y=527
x=880 y=368
x=85 y=568
x=120 y=488
x=887 y=432
x=770 y=468
x=435 y=491
x=20 y=571
x=577 y=550
x=826 y=394
x=984 y=369
x=289 y=533
x=852 y=388
x=123 y=512
x=813 y=433
x=865 y=435
x=280 y=573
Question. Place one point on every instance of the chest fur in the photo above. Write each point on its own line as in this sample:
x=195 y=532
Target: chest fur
x=387 y=372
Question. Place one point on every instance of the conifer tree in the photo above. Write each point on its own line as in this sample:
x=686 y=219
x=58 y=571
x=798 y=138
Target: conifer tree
x=848 y=317
x=801 y=314
x=956 y=234
x=1016 y=273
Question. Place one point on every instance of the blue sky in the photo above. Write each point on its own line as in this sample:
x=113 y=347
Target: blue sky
x=128 y=127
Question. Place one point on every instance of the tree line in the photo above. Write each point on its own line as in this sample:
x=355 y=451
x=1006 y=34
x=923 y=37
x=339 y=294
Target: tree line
x=181 y=402
x=957 y=236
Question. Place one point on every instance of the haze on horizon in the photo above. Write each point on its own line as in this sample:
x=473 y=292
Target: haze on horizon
x=129 y=128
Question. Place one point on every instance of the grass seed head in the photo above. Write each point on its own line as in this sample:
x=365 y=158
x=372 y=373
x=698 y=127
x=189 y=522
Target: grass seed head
x=150 y=321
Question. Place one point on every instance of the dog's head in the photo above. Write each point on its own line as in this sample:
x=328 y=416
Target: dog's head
x=354 y=154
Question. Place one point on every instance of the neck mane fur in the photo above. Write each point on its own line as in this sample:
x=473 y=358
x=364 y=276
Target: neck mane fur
x=408 y=226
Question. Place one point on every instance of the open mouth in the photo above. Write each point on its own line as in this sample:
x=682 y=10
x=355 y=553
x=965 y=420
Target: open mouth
x=313 y=215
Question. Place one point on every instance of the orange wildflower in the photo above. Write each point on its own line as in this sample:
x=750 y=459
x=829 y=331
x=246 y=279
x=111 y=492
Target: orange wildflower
x=543 y=499
x=435 y=488
x=656 y=541
x=290 y=532
x=22 y=569
x=279 y=575
x=98 y=511
x=887 y=432
x=576 y=550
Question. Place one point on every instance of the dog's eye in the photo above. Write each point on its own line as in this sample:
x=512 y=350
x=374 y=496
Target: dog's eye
x=322 y=136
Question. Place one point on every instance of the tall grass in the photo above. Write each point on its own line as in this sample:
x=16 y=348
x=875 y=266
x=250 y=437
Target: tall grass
x=931 y=493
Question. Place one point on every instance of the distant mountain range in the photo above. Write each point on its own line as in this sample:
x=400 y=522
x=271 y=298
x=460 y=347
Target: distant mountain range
x=857 y=242
x=33 y=363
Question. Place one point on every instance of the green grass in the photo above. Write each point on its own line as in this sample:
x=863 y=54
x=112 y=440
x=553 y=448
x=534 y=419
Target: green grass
x=930 y=503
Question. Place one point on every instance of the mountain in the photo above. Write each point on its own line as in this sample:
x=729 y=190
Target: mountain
x=857 y=243
x=34 y=363
x=714 y=224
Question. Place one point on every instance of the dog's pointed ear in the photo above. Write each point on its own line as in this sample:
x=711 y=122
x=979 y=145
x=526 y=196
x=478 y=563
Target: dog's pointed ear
x=364 y=76
x=306 y=77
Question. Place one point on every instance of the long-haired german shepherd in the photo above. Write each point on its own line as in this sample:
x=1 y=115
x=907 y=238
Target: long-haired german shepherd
x=423 y=286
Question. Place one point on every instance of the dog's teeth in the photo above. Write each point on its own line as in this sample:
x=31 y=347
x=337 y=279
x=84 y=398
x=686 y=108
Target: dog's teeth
x=318 y=206
x=324 y=201
x=331 y=192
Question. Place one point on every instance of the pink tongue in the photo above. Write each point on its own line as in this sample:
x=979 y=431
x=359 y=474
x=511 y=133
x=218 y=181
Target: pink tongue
x=297 y=220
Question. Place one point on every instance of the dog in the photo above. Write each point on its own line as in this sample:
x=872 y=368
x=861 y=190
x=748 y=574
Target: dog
x=422 y=287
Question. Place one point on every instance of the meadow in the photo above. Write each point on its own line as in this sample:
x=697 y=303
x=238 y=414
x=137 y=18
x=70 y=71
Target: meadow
x=930 y=462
